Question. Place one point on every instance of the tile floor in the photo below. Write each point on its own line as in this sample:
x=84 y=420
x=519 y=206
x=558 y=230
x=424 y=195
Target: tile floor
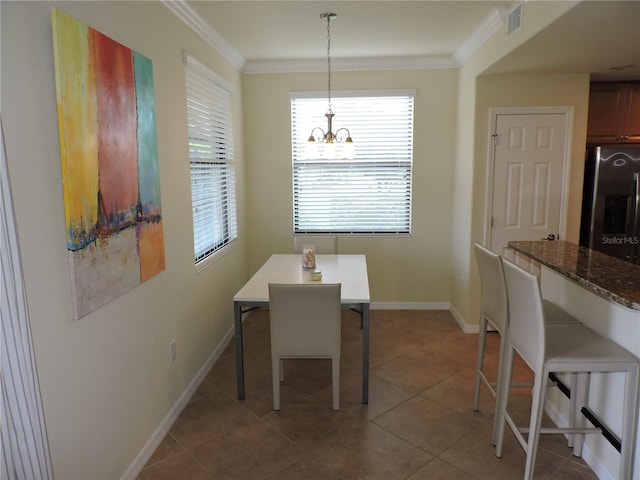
x=419 y=423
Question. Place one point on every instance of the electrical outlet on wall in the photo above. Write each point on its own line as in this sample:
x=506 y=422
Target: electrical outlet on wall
x=172 y=350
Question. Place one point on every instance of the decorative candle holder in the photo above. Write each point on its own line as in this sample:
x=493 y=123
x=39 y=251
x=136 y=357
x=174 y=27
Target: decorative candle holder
x=315 y=275
x=308 y=257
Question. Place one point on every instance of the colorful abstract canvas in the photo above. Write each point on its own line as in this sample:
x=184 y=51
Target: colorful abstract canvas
x=109 y=159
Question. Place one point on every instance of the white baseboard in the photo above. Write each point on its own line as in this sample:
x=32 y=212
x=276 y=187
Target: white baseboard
x=409 y=306
x=156 y=438
x=595 y=464
x=587 y=455
x=464 y=326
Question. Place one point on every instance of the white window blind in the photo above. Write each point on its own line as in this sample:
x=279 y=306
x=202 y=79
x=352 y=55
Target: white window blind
x=368 y=194
x=211 y=158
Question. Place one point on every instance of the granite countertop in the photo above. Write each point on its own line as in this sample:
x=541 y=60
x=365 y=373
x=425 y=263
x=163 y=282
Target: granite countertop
x=610 y=277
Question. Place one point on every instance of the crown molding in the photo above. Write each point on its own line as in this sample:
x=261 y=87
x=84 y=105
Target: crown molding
x=491 y=24
x=194 y=21
x=351 y=64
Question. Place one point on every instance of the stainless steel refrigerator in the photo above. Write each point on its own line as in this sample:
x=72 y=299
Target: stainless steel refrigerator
x=611 y=201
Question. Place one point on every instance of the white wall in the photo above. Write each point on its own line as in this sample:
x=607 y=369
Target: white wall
x=408 y=270
x=470 y=158
x=106 y=380
x=566 y=90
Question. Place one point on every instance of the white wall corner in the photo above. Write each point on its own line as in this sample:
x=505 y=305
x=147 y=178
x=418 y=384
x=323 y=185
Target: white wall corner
x=216 y=41
x=464 y=326
x=491 y=24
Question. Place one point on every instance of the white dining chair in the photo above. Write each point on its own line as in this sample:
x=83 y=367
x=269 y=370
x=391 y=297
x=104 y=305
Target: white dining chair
x=572 y=349
x=305 y=323
x=494 y=315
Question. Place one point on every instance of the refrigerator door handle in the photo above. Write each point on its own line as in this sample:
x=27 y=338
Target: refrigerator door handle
x=635 y=233
x=636 y=209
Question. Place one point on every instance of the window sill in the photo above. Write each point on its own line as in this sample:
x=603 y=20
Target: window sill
x=211 y=259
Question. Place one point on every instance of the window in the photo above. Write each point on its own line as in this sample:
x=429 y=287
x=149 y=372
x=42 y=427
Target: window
x=369 y=194
x=211 y=159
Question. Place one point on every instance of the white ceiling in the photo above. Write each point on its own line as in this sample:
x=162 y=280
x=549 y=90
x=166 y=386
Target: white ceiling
x=592 y=37
x=277 y=30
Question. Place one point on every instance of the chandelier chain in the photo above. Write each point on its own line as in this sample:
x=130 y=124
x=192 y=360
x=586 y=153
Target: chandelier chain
x=342 y=135
x=329 y=59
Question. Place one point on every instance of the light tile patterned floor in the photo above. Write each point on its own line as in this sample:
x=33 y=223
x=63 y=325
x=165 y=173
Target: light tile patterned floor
x=419 y=423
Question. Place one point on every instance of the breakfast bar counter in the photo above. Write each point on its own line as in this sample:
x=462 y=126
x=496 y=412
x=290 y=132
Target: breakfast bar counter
x=609 y=277
x=603 y=292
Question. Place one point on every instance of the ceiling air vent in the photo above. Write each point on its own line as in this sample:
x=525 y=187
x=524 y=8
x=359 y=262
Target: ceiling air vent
x=514 y=19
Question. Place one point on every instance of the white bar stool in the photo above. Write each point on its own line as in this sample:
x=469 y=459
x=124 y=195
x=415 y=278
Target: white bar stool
x=573 y=349
x=494 y=309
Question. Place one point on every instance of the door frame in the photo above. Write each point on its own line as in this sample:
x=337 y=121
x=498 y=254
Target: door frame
x=568 y=112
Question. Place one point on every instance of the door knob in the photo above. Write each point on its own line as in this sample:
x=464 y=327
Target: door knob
x=549 y=237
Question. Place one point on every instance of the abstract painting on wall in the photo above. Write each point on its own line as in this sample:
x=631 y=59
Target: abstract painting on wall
x=109 y=161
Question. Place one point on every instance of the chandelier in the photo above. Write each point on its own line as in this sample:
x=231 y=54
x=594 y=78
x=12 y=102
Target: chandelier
x=342 y=135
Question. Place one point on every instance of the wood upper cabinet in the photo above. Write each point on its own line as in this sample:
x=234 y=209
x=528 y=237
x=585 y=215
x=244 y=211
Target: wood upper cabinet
x=614 y=113
x=634 y=113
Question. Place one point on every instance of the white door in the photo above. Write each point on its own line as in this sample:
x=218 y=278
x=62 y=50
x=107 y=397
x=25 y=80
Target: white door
x=529 y=157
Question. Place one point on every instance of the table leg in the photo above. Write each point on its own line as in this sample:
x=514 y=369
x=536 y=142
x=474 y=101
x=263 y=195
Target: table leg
x=237 y=316
x=365 y=353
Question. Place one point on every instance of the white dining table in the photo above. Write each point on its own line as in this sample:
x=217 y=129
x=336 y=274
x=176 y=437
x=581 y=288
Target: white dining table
x=348 y=270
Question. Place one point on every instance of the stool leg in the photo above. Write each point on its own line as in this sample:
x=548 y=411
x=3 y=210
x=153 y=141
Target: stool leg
x=499 y=382
x=573 y=408
x=482 y=341
x=537 y=409
x=504 y=397
x=581 y=395
x=629 y=421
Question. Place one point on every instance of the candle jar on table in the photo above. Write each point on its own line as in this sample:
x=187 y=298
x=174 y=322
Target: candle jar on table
x=308 y=257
